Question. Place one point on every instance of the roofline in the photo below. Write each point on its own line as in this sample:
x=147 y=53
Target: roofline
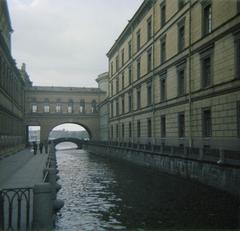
x=5 y=5
x=129 y=25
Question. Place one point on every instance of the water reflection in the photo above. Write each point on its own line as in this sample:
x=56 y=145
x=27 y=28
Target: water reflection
x=101 y=194
x=66 y=146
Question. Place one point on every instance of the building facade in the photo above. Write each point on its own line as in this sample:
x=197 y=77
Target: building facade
x=12 y=131
x=174 y=75
x=103 y=107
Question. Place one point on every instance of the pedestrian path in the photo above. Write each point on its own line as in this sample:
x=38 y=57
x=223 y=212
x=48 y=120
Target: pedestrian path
x=22 y=169
x=18 y=172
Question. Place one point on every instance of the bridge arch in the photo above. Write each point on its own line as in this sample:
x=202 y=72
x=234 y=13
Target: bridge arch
x=90 y=124
x=88 y=130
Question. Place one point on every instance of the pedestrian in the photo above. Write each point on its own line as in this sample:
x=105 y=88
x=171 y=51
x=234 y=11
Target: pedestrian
x=41 y=147
x=34 y=148
x=46 y=146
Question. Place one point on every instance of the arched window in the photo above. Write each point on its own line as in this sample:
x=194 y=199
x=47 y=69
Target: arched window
x=82 y=106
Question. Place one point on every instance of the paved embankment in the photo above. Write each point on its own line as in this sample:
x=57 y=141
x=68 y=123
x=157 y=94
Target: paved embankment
x=22 y=169
x=18 y=172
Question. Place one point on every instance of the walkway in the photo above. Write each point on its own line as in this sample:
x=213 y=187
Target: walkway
x=21 y=170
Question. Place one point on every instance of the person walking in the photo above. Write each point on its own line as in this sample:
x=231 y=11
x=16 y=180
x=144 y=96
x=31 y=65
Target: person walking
x=34 y=148
x=41 y=147
x=46 y=146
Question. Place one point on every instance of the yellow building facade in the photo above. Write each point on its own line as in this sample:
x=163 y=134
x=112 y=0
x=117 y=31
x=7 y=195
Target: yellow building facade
x=174 y=75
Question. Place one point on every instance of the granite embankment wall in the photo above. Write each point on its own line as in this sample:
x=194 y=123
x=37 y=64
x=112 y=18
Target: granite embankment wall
x=217 y=169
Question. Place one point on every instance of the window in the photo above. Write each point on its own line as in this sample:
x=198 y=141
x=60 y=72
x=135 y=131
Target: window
x=130 y=129
x=163 y=49
x=163 y=87
x=129 y=49
x=163 y=126
x=149 y=127
x=138 y=128
x=139 y=98
x=149 y=28
x=123 y=80
x=207 y=123
x=111 y=68
x=117 y=107
x=34 y=108
x=117 y=63
x=117 y=132
x=181 y=124
x=149 y=60
x=122 y=57
x=111 y=131
x=123 y=130
x=112 y=109
x=149 y=93
x=181 y=4
x=237 y=54
x=206 y=72
x=130 y=75
x=130 y=101
x=111 y=88
x=58 y=108
x=123 y=105
x=70 y=107
x=138 y=68
x=181 y=82
x=46 y=108
x=207 y=19
x=82 y=106
x=94 y=106
x=181 y=37
x=163 y=14
x=138 y=40
x=117 y=85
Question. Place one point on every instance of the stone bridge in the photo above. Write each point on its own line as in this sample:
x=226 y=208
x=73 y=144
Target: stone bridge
x=49 y=107
x=76 y=141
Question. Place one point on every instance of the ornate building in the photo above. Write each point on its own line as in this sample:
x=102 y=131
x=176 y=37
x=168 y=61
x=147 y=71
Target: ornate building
x=174 y=75
x=12 y=131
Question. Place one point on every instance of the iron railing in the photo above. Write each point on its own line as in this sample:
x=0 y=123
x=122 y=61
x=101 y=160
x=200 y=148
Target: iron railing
x=15 y=209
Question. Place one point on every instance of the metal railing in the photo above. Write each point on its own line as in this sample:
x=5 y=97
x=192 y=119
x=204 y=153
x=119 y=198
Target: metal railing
x=15 y=208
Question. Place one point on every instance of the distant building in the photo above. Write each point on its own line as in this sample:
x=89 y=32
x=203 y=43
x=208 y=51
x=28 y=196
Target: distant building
x=174 y=75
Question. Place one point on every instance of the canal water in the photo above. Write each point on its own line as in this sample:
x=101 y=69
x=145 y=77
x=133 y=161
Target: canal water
x=106 y=195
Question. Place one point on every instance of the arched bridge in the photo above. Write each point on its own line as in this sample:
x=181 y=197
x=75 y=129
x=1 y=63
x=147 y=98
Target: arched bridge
x=49 y=107
x=76 y=141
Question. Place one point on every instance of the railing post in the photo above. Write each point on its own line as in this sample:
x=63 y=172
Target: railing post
x=42 y=206
x=221 y=157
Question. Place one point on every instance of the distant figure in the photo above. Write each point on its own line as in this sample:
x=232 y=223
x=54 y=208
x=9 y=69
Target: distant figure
x=34 y=148
x=46 y=146
x=41 y=147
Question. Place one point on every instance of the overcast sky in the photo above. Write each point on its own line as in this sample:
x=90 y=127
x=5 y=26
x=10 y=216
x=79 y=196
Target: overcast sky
x=64 y=42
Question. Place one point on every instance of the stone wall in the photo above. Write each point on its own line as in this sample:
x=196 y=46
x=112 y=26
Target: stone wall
x=213 y=170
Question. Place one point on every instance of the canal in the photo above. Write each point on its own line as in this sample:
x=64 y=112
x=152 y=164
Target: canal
x=102 y=194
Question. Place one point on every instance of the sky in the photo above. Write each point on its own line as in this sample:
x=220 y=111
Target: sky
x=64 y=42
